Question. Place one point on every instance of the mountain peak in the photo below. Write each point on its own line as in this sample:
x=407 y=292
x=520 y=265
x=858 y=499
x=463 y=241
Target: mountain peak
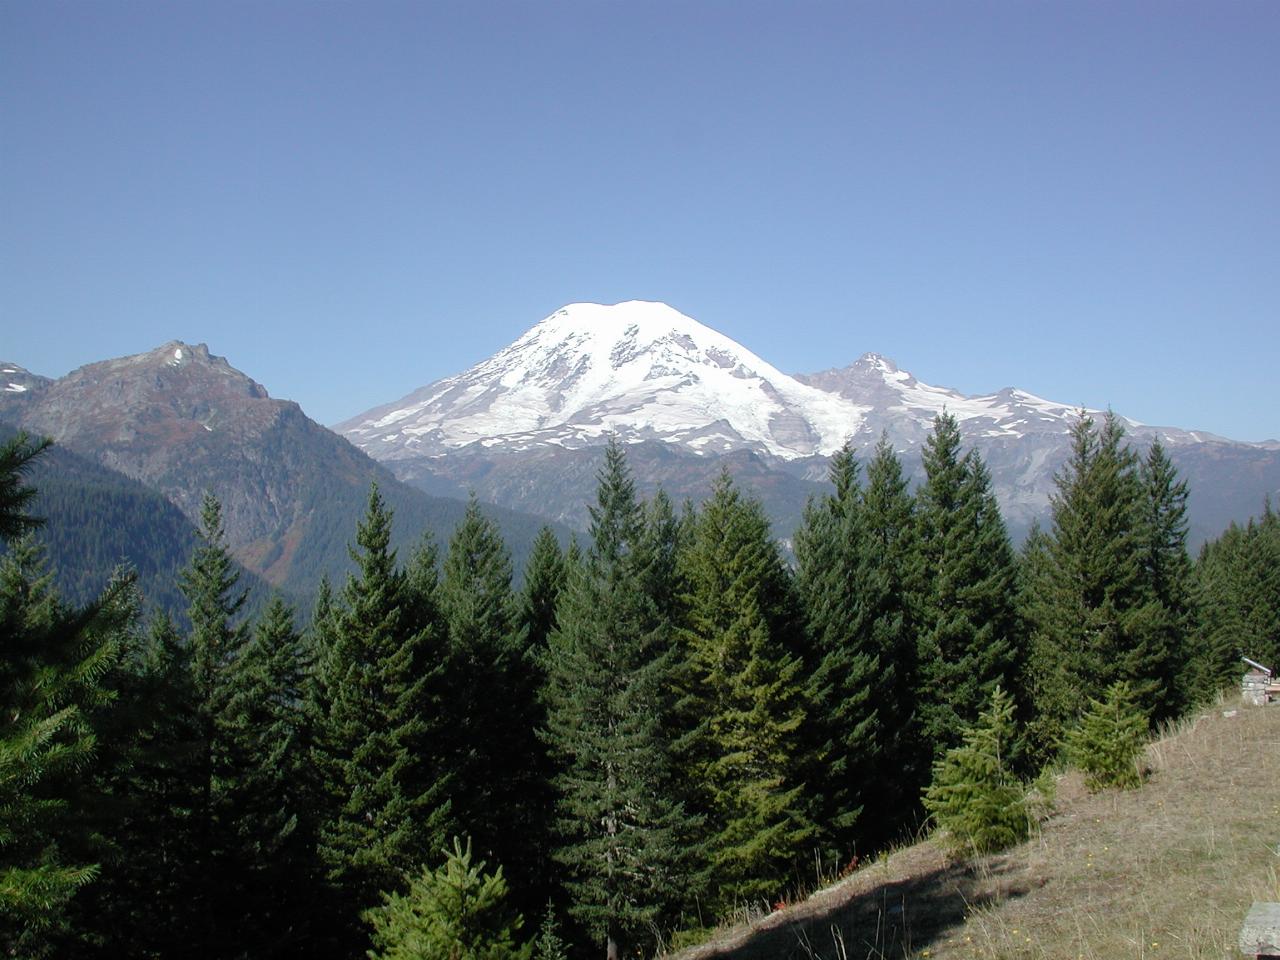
x=877 y=362
x=642 y=323
x=176 y=352
x=15 y=379
x=647 y=312
x=638 y=369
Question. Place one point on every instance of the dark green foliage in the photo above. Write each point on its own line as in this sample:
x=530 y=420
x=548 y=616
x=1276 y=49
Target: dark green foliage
x=55 y=685
x=887 y=582
x=858 y=576
x=328 y=505
x=17 y=457
x=974 y=797
x=456 y=911
x=658 y=557
x=748 y=699
x=1093 y=614
x=214 y=600
x=968 y=626
x=98 y=519
x=623 y=835
x=497 y=762
x=1162 y=529
x=1237 y=584
x=383 y=806
x=544 y=579
x=1109 y=740
x=270 y=843
x=210 y=584
x=152 y=900
x=843 y=665
x=58 y=667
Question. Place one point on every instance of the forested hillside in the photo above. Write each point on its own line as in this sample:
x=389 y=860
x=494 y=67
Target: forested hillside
x=666 y=723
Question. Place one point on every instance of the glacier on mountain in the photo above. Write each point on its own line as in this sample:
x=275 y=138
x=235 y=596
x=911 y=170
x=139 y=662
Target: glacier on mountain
x=644 y=370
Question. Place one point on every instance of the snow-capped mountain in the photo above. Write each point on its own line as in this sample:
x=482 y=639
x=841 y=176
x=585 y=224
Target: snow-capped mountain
x=521 y=424
x=640 y=370
x=645 y=371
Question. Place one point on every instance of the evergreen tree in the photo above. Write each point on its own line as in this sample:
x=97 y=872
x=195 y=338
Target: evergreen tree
x=1092 y=614
x=748 y=695
x=456 y=911
x=622 y=834
x=56 y=691
x=210 y=584
x=385 y=805
x=843 y=665
x=1109 y=740
x=974 y=797
x=1162 y=530
x=544 y=578
x=153 y=892
x=17 y=456
x=268 y=740
x=658 y=558
x=887 y=581
x=1237 y=585
x=54 y=687
x=548 y=945
x=968 y=633
x=496 y=758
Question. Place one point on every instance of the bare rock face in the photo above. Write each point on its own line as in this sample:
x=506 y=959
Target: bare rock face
x=183 y=421
x=180 y=420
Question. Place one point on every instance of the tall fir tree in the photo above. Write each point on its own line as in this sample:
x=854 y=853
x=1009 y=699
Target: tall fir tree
x=54 y=687
x=1092 y=615
x=887 y=583
x=210 y=583
x=272 y=843
x=56 y=690
x=748 y=695
x=385 y=806
x=496 y=758
x=544 y=579
x=623 y=835
x=844 y=668
x=1167 y=566
x=152 y=894
x=968 y=626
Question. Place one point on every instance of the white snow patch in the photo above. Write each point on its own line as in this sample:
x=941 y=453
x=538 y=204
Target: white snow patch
x=630 y=367
x=207 y=427
x=15 y=387
x=646 y=371
x=9 y=370
x=177 y=354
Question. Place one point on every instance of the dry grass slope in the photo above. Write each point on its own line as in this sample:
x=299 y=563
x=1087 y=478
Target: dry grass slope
x=1165 y=871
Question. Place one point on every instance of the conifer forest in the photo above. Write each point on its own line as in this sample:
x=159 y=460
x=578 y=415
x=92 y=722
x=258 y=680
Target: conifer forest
x=645 y=730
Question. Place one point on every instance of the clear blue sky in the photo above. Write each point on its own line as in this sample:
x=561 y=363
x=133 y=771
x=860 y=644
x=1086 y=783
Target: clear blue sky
x=352 y=199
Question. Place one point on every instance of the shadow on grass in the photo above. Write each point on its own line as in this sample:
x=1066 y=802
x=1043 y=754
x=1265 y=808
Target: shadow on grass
x=895 y=920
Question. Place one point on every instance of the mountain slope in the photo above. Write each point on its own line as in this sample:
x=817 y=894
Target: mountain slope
x=182 y=421
x=516 y=426
x=641 y=370
x=97 y=519
x=1191 y=850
